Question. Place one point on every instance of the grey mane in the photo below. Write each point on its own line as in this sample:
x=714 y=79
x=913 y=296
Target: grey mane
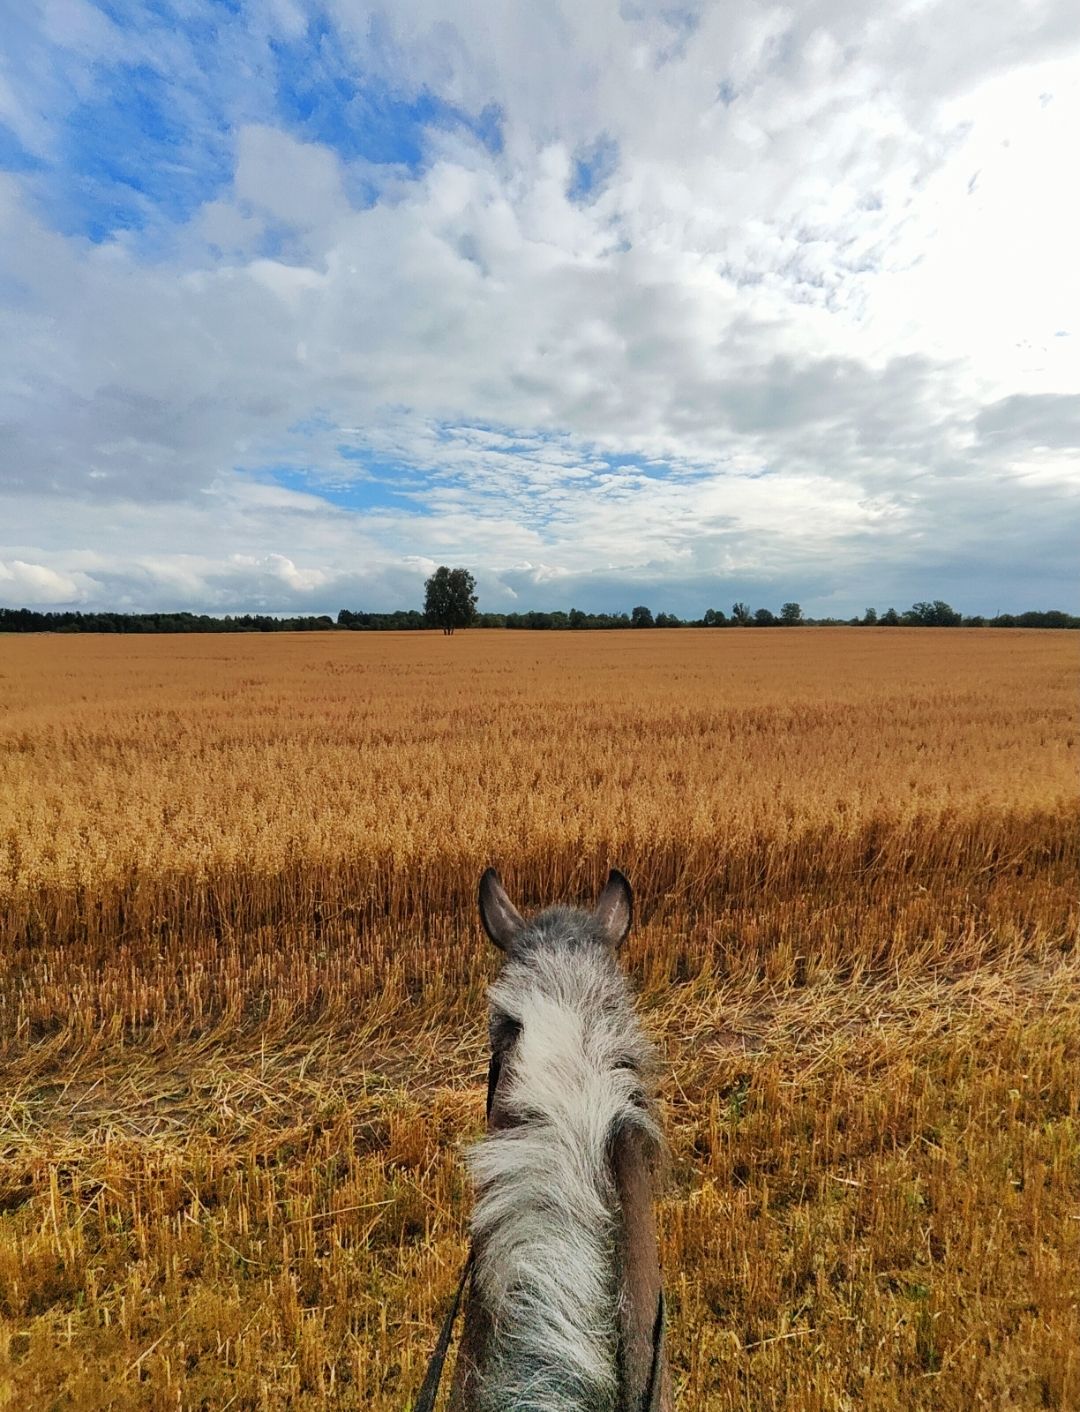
x=577 y=1071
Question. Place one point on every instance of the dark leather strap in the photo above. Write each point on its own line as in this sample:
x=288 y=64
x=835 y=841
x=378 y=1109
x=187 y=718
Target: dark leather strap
x=429 y=1391
x=651 y=1401
x=494 y=1070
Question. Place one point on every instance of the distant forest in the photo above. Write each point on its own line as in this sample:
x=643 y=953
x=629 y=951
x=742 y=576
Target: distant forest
x=935 y=614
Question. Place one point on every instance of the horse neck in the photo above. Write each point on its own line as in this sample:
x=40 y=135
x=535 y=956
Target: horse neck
x=565 y=1248
x=641 y=1360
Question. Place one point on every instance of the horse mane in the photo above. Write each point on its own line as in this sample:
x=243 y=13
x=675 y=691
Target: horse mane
x=577 y=1074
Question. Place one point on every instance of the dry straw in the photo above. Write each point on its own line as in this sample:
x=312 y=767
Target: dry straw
x=241 y=1000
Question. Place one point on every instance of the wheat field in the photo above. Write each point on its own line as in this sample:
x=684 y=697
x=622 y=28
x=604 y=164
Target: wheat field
x=242 y=1030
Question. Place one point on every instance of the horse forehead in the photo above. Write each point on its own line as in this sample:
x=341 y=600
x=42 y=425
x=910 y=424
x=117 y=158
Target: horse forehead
x=560 y=960
x=559 y=929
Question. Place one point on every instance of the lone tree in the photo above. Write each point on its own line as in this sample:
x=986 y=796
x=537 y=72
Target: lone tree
x=791 y=613
x=932 y=615
x=450 y=599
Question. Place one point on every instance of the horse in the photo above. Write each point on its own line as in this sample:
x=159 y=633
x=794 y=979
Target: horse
x=563 y=1302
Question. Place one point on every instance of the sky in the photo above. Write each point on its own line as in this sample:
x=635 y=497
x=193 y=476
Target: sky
x=611 y=303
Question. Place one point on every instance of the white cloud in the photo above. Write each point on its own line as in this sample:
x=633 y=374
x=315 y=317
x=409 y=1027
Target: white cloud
x=33 y=584
x=818 y=326
x=298 y=183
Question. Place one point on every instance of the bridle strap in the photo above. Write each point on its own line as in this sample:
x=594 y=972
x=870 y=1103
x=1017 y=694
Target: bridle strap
x=429 y=1391
x=494 y=1070
x=651 y=1401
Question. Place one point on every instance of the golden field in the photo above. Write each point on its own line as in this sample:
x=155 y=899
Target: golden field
x=242 y=1032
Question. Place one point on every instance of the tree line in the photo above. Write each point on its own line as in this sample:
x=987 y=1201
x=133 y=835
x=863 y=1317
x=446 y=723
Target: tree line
x=28 y=620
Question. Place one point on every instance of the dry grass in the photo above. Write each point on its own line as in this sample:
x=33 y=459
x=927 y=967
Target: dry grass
x=241 y=1003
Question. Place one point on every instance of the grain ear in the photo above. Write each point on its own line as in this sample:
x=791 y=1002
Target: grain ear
x=615 y=908
x=502 y=920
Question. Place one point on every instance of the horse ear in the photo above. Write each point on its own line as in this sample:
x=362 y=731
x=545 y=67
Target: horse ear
x=615 y=908
x=502 y=920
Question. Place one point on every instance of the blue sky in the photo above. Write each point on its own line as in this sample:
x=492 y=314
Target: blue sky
x=610 y=303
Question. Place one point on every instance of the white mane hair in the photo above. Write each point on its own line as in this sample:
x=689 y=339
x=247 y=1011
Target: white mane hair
x=577 y=1072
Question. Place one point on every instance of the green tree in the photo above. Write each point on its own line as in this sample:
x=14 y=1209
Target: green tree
x=764 y=618
x=641 y=617
x=450 y=599
x=932 y=615
x=870 y=618
x=741 y=613
x=890 y=618
x=791 y=613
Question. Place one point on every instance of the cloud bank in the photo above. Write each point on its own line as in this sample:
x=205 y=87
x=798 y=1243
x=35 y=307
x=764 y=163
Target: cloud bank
x=610 y=302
